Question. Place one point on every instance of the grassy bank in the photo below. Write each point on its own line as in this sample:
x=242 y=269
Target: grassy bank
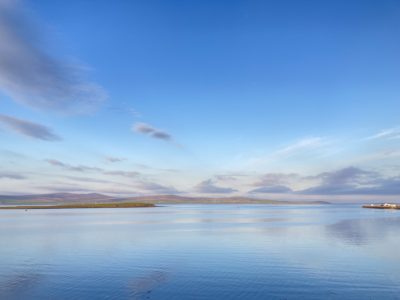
x=82 y=205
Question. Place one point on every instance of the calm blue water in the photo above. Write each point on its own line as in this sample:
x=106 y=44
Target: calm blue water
x=201 y=252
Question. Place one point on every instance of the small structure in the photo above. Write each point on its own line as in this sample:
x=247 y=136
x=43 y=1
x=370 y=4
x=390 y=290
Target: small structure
x=383 y=206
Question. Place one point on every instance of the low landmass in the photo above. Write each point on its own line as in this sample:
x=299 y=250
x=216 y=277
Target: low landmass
x=82 y=205
x=95 y=198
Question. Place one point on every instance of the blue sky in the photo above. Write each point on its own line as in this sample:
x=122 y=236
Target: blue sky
x=275 y=99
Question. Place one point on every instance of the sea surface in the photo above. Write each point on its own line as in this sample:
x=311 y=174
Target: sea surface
x=201 y=252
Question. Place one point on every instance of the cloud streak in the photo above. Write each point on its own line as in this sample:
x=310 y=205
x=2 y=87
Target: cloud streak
x=84 y=168
x=122 y=173
x=302 y=145
x=151 y=131
x=29 y=75
x=29 y=129
x=7 y=175
x=113 y=159
x=391 y=134
x=77 y=168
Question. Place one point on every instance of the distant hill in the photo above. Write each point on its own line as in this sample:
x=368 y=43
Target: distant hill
x=66 y=198
x=56 y=198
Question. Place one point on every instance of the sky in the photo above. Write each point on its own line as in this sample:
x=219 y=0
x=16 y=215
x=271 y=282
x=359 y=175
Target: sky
x=268 y=99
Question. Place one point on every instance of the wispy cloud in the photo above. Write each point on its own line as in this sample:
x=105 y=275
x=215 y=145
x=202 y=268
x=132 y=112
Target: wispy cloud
x=32 y=76
x=85 y=168
x=125 y=109
x=9 y=175
x=302 y=145
x=301 y=149
x=78 y=168
x=114 y=159
x=122 y=173
x=149 y=130
x=209 y=187
x=27 y=128
x=227 y=177
x=391 y=134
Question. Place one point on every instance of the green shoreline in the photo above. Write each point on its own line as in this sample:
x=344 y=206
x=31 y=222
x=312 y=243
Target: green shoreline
x=82 y=205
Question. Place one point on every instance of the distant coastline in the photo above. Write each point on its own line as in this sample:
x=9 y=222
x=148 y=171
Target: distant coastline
x=58 y=199
x=81 y=205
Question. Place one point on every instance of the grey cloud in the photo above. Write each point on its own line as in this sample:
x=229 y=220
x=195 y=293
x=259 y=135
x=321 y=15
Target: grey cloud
x=149 y=130
x=346 y=181
x=113 y=159
x=275 y=183
x=224 y=177
x=7 y=175
x=143 y=128
x=208 y=187
x=354 y=181
x=161 y=135
x=32 y=76
x=122 y=173
x=27 y=128
x=156 y=188
x=84 y=168
x=276 y=179
x=383 y=186
x=349 y=175
x=229 y=176
x=78 y=168
x=55 y=162
x=276 y=189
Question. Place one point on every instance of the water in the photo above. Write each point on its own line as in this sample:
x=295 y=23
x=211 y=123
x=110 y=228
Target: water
x=201 y=252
